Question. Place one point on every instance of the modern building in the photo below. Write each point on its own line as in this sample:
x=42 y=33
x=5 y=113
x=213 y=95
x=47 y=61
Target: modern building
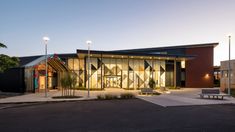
x=224 y=80
x=217 y=76
x=175 y=66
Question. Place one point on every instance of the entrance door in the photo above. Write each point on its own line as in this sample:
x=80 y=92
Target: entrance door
x=42 y=80
x=113 y=82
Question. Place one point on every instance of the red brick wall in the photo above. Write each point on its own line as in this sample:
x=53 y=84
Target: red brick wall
x=198 y=69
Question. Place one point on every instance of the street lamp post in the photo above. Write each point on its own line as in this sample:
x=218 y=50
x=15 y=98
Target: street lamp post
x=88 y=86
x=46 y=39
x=229 y=66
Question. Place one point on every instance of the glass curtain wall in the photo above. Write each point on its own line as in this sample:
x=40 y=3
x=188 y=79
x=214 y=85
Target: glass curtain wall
x=77 y=66
x=169 y=79
x=128 y=73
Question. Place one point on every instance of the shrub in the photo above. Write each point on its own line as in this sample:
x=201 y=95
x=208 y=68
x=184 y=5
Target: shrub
x=113 y=96
x=127 y=96
x=107 y=97
x=110 y=96
x=91 y=89
x=100 y=97
x=66 y=97
x=128 y=88
x=173 y=88
x=156 y=93
x=152 y=83
x=68 y=82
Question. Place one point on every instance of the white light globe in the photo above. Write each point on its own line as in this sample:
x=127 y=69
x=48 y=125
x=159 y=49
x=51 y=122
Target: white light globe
x=88 y=42
x=46 y=39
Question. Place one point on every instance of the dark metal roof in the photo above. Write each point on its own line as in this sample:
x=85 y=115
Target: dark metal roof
x=154 y=51
x=170 y=47
x=27 y=59
x=53 y=60
x=67 y=55
x=80 y=51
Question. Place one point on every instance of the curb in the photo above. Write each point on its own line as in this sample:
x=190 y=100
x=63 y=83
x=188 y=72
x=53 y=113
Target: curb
x=22 y=104
x=48 y=101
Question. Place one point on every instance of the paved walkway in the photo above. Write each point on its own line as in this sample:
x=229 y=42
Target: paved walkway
x=40 y=97
x=184 y=97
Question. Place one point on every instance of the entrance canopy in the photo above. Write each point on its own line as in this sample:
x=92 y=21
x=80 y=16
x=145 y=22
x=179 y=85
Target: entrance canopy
x=53 y=60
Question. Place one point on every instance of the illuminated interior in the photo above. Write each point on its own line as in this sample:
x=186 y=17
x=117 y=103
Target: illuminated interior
x=128 y=72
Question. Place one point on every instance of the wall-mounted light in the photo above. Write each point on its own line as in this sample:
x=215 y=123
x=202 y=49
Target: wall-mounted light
x=182 y=64
x=207 y=75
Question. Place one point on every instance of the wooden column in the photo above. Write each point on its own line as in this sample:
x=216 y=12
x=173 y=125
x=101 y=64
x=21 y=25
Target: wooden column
x=101 y=71
x=175 y=73
x=128 y=72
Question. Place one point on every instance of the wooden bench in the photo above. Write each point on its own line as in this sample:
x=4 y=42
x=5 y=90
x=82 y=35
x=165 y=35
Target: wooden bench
x=146 y=91
x=213 y=93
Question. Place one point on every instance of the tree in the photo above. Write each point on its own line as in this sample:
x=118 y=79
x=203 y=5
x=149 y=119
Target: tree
x=6 y=61
x=2 y=45
x=152 y=83
x=68 y=83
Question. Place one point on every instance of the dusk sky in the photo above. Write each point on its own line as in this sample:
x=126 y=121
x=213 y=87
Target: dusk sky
x=115 y=24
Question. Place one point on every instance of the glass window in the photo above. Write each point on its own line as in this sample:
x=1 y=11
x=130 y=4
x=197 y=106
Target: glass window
x=182 y=76
x=113 y=66
x=182 y=64
x=70 y=63
x=119 y=67
x=107 y=70
x=124 y=73
x=81 y=73
x=81 y=64
x=224 y=73
x=75 y=64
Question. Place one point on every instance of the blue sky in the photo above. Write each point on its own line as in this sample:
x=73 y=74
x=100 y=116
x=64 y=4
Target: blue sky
x=114 y=24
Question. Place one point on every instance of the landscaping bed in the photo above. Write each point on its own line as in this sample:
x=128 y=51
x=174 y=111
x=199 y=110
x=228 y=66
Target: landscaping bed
x=66 y=97
x=114 y=96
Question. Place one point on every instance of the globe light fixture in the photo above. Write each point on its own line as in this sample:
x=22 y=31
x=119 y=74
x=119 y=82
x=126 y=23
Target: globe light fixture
x=88 y=42
x=45 y=40
x=229 y=65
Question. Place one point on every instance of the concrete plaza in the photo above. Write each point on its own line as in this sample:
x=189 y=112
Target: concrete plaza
x=181 y=97
x=40 y=97
x=184 y=97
